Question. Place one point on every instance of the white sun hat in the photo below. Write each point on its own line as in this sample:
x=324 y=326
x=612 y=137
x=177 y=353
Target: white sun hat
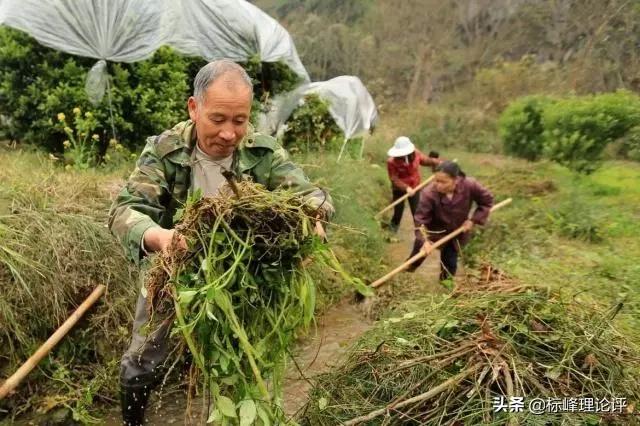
x=401 y=147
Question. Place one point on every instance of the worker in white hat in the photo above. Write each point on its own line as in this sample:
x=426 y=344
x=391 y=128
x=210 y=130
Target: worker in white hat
x=403 y=166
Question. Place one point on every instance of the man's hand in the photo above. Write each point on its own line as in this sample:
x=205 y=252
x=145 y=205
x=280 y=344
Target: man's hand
x=410 y=191
x=320 y=230
x=467 y=225
x=159 y=239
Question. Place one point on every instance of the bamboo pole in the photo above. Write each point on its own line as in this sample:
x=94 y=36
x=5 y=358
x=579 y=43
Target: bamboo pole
x=423 y=253
x=405 y=196
x=342 y=149
x=451 y=382
x=55 y=338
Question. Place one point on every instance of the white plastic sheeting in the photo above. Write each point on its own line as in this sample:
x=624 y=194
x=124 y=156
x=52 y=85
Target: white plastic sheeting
x=236 y=30
x=132 y=30
x=350 y=105
x=115 y=30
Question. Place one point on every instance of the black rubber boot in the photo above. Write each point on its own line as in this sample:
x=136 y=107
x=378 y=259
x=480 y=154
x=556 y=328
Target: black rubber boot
x=133 y=402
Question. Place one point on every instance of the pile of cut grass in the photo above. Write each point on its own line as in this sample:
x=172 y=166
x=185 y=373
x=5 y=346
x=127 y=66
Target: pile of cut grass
x=448 y=359
x=54 y=250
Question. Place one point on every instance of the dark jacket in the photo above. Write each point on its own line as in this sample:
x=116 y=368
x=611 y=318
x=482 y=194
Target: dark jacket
x=440 y=215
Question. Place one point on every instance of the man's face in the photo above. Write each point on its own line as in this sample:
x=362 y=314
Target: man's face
x=222 y=117
x=445 y=184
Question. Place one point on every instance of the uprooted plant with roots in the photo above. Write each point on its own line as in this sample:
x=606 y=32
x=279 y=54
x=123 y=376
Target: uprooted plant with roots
x=240 y=294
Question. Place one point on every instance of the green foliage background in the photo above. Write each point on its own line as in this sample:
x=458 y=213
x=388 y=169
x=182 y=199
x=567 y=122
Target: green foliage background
x=572 y=131
x=147 y=97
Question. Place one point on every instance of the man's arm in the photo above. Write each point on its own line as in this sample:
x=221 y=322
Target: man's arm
x=286 y=175
x=138 y=207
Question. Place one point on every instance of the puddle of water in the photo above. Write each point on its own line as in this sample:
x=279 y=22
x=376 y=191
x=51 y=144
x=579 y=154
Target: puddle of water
x=337 y=330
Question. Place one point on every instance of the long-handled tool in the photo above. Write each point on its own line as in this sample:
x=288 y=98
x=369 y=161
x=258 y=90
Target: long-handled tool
x=407 y=195
x=55 y=338
x=424 y=253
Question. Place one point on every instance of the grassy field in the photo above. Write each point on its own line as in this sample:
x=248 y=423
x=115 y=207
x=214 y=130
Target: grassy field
x=55 y=248
x=575 y=233
x=572 y=232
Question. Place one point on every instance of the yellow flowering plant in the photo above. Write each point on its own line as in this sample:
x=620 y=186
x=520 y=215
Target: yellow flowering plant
x=80 y=147
x=117 y=155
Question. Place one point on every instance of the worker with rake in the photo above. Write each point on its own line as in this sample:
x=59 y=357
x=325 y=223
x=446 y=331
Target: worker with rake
x=200 y=154
x=444 y=206
x=403 y=167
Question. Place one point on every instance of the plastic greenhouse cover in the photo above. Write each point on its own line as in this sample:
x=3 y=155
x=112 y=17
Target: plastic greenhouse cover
x=132 y=30
x=350 y=105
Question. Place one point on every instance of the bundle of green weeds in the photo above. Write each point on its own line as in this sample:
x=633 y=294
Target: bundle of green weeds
x=448 y=361
x=241 y=292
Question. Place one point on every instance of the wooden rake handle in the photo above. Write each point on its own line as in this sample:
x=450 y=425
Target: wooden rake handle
x=437 y=244
x=55 y=338
x=405 y=196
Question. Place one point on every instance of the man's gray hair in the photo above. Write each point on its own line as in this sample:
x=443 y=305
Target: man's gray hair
x=214 y=70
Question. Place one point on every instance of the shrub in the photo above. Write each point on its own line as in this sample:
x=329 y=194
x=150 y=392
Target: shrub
x=311 y=126
x=38 y=83
x=585 y=226
x=630 y=146
x=521 y=128
x=578 y=129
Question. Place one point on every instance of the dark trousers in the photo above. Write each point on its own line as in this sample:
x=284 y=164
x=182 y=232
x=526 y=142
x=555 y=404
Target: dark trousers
x=398 y=210
x=448 y=258
x=142 y=365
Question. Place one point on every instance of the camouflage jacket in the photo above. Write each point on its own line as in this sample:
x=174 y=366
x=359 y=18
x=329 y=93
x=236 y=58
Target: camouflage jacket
x=161 y=181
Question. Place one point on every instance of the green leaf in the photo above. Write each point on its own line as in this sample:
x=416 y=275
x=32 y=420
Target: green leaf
x=322 y=403
x=309 y=301
x=362 y=288
x=264 y=416
x=554 y=373
x=186 y=296
x=215 y=416
x=248 y=412
x=224 y=363
x=230 y=380
x=210 y=313
x=226 y=406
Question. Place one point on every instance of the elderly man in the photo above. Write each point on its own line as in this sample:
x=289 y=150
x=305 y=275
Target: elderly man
x=192 y=156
